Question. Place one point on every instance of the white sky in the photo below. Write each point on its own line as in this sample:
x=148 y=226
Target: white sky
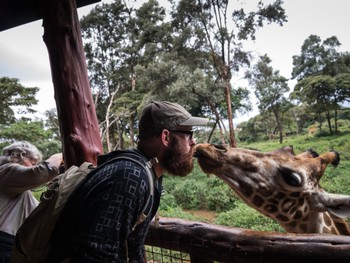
x=23 y=54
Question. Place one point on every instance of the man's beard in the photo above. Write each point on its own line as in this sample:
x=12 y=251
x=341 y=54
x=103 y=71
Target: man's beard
x=175 y=162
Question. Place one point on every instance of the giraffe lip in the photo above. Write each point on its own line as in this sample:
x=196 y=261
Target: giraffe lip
x=197 y=154
x=206 y=161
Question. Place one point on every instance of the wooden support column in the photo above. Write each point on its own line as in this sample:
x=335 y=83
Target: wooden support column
x=76 y=111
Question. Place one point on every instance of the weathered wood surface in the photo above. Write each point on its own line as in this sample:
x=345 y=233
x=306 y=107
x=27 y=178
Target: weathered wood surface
x=208 y=242
x=76 y=111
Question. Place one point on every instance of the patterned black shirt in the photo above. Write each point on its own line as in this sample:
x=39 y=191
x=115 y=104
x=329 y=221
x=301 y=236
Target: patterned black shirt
x=96 y=224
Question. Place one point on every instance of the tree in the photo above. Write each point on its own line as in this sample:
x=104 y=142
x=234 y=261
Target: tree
x=117 y=39
x=323 y=77
x=14 y=95
x=32 y=131
x=270 y=89
x=204 y=25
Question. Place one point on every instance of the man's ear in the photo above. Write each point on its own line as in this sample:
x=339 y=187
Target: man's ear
x=165 y=137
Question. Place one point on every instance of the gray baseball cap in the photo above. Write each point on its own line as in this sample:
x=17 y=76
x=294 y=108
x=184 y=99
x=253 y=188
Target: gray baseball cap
x=159 y=115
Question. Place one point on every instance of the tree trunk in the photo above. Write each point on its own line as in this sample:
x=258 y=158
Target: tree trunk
x=229 y=113
x=76 y=112
x=336 y=120
x=132 y=132
x=328 y=117
x=279 y=124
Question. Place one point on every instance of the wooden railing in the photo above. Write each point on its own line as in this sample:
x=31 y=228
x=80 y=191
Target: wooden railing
x=206 y=243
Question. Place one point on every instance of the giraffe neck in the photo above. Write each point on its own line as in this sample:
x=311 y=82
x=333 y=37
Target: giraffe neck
x=293 y=213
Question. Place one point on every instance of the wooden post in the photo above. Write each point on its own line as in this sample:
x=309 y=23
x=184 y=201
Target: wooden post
x=76 y=111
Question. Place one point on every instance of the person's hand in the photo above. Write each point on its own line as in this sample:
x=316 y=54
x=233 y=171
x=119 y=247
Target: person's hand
x=55 y=160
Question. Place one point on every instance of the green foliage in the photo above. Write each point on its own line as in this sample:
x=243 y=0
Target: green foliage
x=14 y=94
x=246 y=217
x=32 y=131
x=190 y=195
x=220 y=196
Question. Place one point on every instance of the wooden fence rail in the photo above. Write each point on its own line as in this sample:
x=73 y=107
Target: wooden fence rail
x=207 y=243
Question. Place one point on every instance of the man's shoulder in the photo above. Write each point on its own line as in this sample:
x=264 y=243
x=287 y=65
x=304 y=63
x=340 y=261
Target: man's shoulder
x=128 y=154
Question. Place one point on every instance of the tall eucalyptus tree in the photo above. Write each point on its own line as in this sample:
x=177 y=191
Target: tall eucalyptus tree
x=270 y=89
x=208 y=27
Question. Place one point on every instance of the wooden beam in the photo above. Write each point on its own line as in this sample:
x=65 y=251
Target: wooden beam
x=208 y=243
x=18 y=12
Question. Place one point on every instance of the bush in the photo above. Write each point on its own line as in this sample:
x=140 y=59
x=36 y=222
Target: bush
x=244 y=216
x=191 y=194
x=220 y=197
x=169 y=208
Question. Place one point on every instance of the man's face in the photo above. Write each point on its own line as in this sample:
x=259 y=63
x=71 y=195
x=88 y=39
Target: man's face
x=178 y=159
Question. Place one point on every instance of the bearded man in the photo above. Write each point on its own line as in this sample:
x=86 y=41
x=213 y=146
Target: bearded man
x=97 y=224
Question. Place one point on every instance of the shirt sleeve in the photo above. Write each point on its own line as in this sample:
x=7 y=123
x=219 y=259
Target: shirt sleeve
x=16 y=178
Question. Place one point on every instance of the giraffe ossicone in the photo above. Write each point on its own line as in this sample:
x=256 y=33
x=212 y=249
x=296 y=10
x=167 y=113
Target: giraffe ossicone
x=281 y=185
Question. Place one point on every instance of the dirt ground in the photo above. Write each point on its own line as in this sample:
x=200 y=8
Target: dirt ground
x=208 y=216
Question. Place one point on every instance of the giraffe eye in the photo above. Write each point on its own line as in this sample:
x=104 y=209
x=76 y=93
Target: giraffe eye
x=290 y=177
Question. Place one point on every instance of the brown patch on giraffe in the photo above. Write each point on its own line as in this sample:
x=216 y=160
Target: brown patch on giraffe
x=292 y=224
x=301 y=201
x=246 y=189
x=303 y=228
x=270 y=208
x=264 y=191
x=297 y=215
x=292 y=211
x=295 y=194
x=328 y=220
x=273 y=201
x=258 y=201
x=279 y=195
x=342 y=226
x=244 y=161
x=282 y=218
x=304 y=219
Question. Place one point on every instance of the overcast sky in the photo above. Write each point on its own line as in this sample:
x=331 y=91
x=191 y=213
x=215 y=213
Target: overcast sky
x=23 y=54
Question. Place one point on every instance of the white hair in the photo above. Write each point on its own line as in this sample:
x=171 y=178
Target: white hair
x=17 y=151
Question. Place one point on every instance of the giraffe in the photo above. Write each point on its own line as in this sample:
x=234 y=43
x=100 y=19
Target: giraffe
x=281 y=185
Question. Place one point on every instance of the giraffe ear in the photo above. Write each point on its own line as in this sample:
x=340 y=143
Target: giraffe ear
x=338 y=205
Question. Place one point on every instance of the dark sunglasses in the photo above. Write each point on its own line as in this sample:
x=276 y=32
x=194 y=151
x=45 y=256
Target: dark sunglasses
x=190 y=133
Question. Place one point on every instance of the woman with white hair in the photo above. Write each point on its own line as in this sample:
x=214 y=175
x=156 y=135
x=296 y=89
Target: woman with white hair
x=21 y=170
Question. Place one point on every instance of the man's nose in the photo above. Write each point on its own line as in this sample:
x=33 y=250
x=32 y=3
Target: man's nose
x=192 y=141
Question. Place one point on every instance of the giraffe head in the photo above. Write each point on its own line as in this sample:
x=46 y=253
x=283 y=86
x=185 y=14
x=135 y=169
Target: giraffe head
x=281 y=185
